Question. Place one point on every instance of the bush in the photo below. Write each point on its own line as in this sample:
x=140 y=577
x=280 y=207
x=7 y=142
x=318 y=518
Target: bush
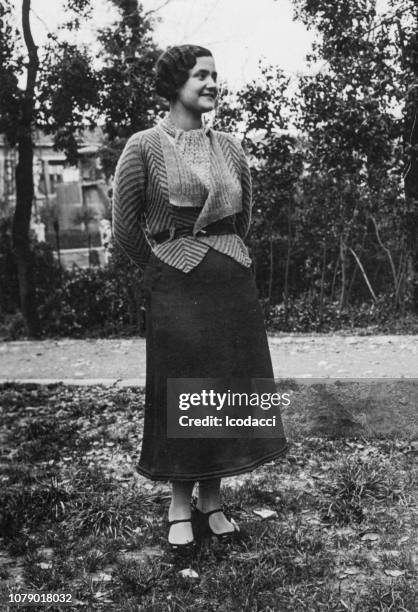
x=100 y=302
x=78 y=302
x=9 y=289
x=303 y=314
x=95 y=301
x=46 y=271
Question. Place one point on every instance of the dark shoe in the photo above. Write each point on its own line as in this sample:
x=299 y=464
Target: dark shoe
x=187 y=546
x=202 y=525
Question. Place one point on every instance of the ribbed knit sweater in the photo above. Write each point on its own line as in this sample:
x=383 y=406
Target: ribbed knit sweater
x=192 y=178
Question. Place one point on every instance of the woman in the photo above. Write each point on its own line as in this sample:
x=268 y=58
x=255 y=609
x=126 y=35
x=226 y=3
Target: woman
x=189 y=188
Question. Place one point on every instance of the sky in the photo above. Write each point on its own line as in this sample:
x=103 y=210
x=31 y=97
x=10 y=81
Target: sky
x=238 y=32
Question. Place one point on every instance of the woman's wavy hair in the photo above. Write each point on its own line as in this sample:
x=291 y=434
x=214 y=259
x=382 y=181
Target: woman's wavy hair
x=172 y=68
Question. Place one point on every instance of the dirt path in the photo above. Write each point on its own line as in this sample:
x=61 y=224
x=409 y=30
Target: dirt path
x=297 y=356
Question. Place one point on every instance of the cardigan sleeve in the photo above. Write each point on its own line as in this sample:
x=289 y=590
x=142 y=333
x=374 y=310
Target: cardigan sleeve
x=243 y=219
x=129 y=203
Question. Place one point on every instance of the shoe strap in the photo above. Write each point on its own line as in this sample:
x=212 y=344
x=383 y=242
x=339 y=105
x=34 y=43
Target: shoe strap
x=213 y=511
x=189 y=520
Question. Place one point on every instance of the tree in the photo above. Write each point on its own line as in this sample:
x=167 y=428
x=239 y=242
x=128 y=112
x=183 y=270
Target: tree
x=64 y=94
x=127 y=99
x=21 y=111
x=347 y=111
x=261 y=109
x=17 y=114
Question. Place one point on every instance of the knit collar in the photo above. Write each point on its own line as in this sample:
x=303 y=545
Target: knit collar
x=224 y=193
x=171 y=128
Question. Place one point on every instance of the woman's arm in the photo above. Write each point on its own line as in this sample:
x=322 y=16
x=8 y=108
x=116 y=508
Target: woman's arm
x=129 y=203
x=243 y=219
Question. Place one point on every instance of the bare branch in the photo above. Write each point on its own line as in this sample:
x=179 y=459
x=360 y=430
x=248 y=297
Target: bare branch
x=360 y=265
x=39 y=18
x=388 y=253
x=158 y=8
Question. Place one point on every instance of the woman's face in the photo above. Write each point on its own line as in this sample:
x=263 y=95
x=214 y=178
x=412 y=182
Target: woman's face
x=198 y=94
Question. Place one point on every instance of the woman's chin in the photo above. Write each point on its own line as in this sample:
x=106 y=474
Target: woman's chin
x=207 y=105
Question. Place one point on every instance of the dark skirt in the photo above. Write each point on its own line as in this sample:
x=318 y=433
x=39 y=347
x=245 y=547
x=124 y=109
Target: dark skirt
x=204 y=324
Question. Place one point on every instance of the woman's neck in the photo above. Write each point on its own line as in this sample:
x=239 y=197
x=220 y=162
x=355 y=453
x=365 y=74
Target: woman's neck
x=183 y=120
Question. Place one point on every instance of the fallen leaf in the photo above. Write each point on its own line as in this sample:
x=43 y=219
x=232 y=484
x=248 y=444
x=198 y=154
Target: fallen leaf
x=352 y=570
x=101 y=577
x=188 y=573
x=45 y=552
x=264 y=513
x=44 y=565
x=370 y=537
x=394 y=573
x=414 y=446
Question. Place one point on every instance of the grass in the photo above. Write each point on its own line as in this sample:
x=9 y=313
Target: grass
x=76 y=517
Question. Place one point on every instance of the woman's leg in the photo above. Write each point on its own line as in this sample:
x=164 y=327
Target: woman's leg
x=180 y=533
x=210 y=499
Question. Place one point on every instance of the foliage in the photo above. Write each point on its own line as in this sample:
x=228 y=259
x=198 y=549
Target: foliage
x=64 y=94
x=68 y=89
x=303 y=314
x=46 y=270
x=97 y=301
x=127 y=99
x=108 y=301
x=75 y=302
x=348 y=111
x=332 y=237
x=11 y=67
x=331 y=230
x=70 y=93
x=263 y=107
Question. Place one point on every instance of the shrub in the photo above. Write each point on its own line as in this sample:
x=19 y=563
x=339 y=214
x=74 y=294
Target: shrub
x=107 y=301
x=303 y=314
x=77 y=302
x=97 y=301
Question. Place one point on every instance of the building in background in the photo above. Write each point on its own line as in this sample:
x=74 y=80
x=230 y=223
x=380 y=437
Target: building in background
x=70 y=201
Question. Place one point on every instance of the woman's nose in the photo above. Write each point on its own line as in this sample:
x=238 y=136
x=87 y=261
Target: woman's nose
x=211 y=84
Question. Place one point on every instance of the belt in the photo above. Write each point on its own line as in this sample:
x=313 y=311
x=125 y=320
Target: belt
x=180 y=232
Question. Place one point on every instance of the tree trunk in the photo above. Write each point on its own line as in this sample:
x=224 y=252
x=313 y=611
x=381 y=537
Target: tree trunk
x=24 y=186
x=21 y=244
x=354 y=275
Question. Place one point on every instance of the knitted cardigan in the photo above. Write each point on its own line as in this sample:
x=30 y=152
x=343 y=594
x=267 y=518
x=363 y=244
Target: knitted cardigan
x=141 y=204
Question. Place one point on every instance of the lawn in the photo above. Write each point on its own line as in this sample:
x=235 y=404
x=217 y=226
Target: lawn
x=341 y=531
